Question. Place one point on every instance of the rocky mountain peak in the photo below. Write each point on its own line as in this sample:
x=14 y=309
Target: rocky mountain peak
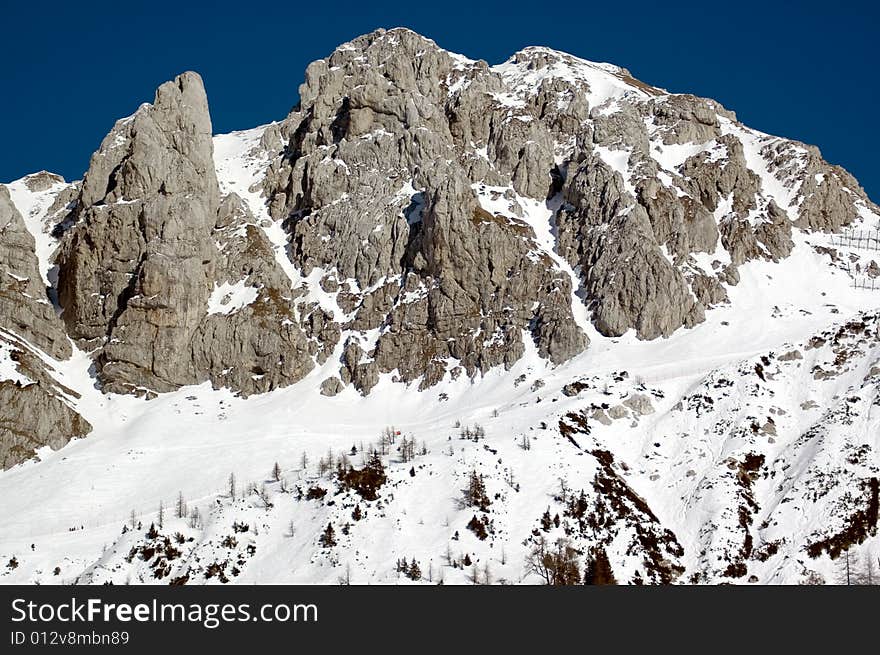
x=42 y=181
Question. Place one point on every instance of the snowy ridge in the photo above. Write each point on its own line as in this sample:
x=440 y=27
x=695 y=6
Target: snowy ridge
x=604 y=83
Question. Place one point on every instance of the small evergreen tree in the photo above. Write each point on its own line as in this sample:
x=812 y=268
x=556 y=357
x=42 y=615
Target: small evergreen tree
x=475 y=493
x=328 y=537
x=546 y=521
x=598 y=570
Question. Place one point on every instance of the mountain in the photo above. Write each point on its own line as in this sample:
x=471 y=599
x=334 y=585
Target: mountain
x=474 y=314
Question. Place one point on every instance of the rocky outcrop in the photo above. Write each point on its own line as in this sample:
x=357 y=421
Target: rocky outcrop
x=256 y=346
x=25 y=308
x=152 y=245
x=135 y=276
x=378 y=194
x=35 y=410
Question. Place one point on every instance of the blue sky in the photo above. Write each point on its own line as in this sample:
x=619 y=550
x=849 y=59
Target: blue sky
x=803 y=70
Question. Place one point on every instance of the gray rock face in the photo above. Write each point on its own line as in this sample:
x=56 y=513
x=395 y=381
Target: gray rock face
x=378 y=188
x=259 y=346
x=35 y=410
x=25 y=308
x=630 y=282
x=640 y=404
x=135 y=275
x=152 y=241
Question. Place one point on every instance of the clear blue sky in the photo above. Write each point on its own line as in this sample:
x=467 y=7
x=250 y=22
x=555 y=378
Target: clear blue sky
x=805 y=70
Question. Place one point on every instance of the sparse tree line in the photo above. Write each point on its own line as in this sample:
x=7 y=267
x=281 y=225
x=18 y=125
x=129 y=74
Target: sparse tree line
x=558 y=563
x=474 y=433
x=858 y=570
x=341 y=463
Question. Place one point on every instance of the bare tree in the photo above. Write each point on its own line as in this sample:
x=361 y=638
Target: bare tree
x=556 y=565
x=231 y=485
x=161 y=514
x=475 y=574
x=845 y=572
x=869 y=572
x=386 y=439
x=864 y=572
x=181 y=506
x=563 y=490
x=345 y=580
x=195 y=518
x=304 y=461
x=276 y=472
x=263 y=495
x=509 y=478
x=407 y=449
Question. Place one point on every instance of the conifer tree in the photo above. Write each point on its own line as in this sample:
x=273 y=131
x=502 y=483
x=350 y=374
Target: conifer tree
x=328 y=537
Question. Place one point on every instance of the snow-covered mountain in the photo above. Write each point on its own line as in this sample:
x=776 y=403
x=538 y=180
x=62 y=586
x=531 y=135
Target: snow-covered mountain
x=501 y=322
